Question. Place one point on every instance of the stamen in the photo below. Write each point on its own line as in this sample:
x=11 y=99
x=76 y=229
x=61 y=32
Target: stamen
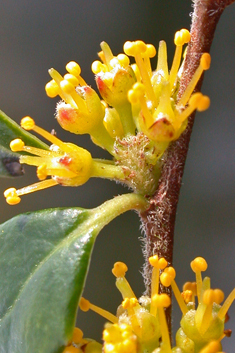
x=85 y=305
x=150 y=53
x=198 y=265
x=228 y=302
x=28 y=123
x=58 y=78
x=187 y=295
x=11 y=196
x=72 y=79
x=181 y=37
x=136 y=94
x=163 y=301
x=97 y=67
x=77 y=335
x=167 y=279
x=122 y=284
x=192 y=287
x=158 y=264
x=73 y=68
x=196 y=101
x=17 y=145
x=210 y=296
x=52 y=89
x=36 y=187
x=204 y=65
x=137 y=49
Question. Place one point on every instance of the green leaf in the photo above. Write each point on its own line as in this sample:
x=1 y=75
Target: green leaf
x=44 y=259
x=9 y=164
x=9 y=130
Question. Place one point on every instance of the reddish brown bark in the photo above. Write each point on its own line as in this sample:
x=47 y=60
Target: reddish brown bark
x=159 y=219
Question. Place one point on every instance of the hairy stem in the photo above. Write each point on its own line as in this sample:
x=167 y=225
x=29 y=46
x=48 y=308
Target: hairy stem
x=159 y=219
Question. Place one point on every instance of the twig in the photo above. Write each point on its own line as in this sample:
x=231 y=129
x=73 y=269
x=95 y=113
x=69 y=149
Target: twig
x=159 y=219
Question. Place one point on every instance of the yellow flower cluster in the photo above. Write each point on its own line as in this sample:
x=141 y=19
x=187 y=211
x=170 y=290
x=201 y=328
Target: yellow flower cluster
x=140 y=324
x=135 y=122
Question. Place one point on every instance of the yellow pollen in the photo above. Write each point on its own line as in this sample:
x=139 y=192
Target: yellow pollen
x=162 y=300
x=77 y=335
x=151 y=50
x=73 y=68
x=199 y=264
x=203 y=104
x=17 y=145
x=97 y=67
x=205 y=61
x=67 y=86
x=167 y=279
x=52 y=89
x=85 y=305
x=27 y=123
x=129 y=303
x=204 y=65
x=187 y=296
x=192 y=286
x=11 y=196
x=42 y=172
x=72 y=79
x=71 y=349
x=182 y=37
x=119 y=269
x=123 y=60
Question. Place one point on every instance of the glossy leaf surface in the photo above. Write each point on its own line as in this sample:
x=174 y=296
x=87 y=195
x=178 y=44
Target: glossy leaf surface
x=44 y=258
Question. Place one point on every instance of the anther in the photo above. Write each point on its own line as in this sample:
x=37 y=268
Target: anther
x=198 y=265
x=11 y=196
x=119 y=269
x=17 y=145
x=52 y=89
x=27 y=123
x=73 y=68
x=85 y=305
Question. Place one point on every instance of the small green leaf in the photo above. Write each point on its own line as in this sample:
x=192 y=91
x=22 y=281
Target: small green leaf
x=9 y=130
x=44 y=259
x=9 y=164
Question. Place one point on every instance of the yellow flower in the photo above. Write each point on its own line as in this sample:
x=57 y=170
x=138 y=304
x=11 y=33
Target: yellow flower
x=139 y=117
x=66 y=164
x=140 y=324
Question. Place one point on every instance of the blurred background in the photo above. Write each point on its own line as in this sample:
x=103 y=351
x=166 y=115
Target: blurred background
x=37 y=35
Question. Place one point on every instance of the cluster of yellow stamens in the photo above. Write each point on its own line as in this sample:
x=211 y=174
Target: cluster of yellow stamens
x=152 y=98
x=140 y=325
x=137 y=119
x=66 y=164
